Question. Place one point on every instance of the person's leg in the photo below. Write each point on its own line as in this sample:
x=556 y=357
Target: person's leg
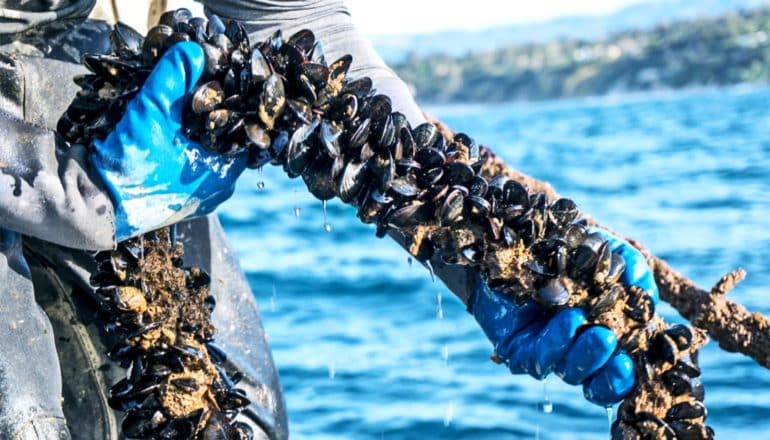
x=80 y=340
x=30 y=381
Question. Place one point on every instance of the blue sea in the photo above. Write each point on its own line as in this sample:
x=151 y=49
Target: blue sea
x=368 y=347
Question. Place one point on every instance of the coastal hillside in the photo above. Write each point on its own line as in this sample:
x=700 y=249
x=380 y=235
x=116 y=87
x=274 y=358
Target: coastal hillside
x=730 y=49
x=639 y=14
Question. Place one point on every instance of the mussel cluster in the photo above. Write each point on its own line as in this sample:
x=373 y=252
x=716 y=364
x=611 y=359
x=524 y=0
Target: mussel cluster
x=280 y=102
x=668 y=401
x=532 y=248
x=177 y=386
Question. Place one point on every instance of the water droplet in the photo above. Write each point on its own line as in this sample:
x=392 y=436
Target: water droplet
x=409 y=261
x=332 y=370
x=439 y=307
x=430 y=269
x=273 y=299
x=297 y=211
x=445 y=353
x=261 y=184
x=608 y=409
x=449 y=414
x=547 y=404
x=141 y=258
x=327 y=225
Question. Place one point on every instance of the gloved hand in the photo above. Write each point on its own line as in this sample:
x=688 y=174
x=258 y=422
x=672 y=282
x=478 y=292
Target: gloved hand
x=156 y=175
x=531 y=340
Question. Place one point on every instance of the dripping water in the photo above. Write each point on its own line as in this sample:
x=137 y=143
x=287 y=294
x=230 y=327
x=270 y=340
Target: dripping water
x=439 y=307
x=261 y=183
x=608 y=409
x=297 y=211
x=449 y=414
x=409 y=261
x=430 y=269
x=141 y=266
x=547 y=404
x=172 y=234
x=327 y=225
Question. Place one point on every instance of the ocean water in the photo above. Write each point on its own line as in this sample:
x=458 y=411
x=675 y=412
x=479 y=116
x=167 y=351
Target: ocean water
x=369 y=348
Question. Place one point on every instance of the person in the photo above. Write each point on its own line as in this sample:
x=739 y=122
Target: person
x=61 y=202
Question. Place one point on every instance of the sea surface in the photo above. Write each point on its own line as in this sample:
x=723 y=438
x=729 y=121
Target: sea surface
x=368 y=347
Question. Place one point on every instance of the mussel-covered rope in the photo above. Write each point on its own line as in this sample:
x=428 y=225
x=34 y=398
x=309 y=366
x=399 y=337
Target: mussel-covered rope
x=449 y=198
x=177 y=385
x=734 y=327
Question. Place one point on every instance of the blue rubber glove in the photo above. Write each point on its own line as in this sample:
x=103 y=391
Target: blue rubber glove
x=156 y=175
x=532 y=341
x=637 y=272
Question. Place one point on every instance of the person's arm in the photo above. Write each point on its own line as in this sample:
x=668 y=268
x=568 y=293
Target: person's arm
x=515 y=331
x=333 y=25
x=49 y=190
x=142 y=176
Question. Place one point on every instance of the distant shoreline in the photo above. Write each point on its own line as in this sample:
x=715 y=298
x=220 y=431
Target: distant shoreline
x=729 y=50
x=608 y=98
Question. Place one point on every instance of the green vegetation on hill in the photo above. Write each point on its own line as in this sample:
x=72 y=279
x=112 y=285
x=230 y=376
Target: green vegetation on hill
x=731 y=49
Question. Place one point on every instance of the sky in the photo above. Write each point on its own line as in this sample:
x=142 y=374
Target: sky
x=384 y=17
x=425 y=16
